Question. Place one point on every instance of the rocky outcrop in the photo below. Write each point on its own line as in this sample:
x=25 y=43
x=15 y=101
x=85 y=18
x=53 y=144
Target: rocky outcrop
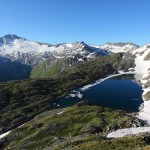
x=128 y=61
x=147 y=57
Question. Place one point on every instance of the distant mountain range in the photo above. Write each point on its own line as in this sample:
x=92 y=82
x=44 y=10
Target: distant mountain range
x=31 y=53
x=21 y=58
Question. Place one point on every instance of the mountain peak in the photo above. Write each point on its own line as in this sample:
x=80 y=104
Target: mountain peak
x=82 y=44
x=8 y=38
x=12 y=36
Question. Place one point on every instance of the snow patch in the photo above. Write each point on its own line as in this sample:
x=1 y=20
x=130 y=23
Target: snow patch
x=75 y=93
x=127 y=131
x=144 y=114
x=4 y=134
x=60 y=113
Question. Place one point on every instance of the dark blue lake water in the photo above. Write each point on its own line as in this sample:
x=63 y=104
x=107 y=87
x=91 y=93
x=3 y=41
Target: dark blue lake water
x=121 y=92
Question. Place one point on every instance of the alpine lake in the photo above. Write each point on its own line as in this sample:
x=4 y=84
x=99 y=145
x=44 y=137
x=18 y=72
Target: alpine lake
x=120 y=92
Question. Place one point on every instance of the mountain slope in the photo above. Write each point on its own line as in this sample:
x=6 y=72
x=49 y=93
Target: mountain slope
x=13 y=70
x=53 y=67
x=20 y=101
x=21 y=53
x=68 y=128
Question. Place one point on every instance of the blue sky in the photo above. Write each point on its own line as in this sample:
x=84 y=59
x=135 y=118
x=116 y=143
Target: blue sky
x=64 y=21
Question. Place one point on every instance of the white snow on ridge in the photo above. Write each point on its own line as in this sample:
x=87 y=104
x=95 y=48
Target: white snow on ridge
x=33 y=53
x=127 y=131
x=119 y=47
x=144 y=114
x=26 y=46
x=29 y=47
x=141 y=65
x=4 y=134
x=102 y=80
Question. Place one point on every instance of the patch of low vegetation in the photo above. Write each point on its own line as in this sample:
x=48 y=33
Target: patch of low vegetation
x=48 y=68
x=77 y=127
x=20 y=101
x=52 y=68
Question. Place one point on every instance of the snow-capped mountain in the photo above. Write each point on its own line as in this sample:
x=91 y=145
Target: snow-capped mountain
x=119 y=47
x=18 y=55
x=32 y=53
x=9 y=39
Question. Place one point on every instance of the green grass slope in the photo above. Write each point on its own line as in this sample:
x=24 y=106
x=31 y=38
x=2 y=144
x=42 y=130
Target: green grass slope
x=54 y=67
x=78 y=127
x=49 y=68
